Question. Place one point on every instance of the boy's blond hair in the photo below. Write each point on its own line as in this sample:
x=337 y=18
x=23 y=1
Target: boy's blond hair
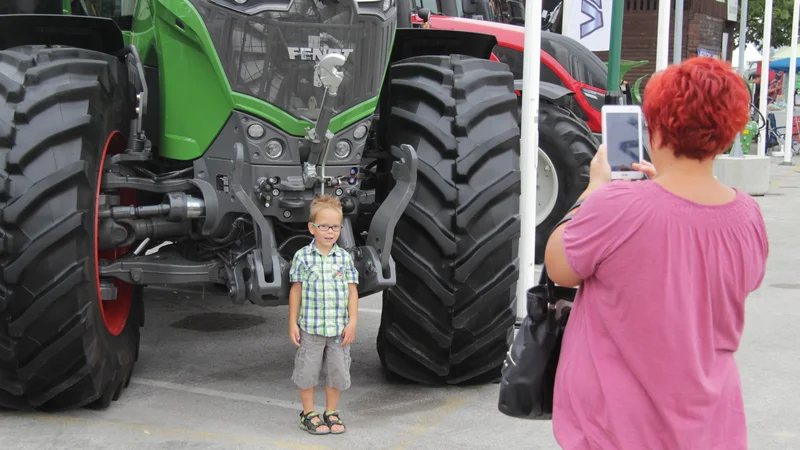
x=323 y=202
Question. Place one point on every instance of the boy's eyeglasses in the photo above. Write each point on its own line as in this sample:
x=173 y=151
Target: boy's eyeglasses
x=327 y=227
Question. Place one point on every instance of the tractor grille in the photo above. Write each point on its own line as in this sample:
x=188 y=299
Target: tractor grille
x=271 y=54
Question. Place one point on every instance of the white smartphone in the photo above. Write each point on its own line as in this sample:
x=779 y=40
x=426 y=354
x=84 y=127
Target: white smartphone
x=622 y=136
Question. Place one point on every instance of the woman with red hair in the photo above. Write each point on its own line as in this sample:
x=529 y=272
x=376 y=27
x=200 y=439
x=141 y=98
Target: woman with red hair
x=664 y=267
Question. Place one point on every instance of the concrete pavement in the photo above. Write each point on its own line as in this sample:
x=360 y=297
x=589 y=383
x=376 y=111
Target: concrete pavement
x=216 y=376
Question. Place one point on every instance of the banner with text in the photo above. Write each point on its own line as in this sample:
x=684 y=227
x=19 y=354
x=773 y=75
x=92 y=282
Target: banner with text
x=588 y=22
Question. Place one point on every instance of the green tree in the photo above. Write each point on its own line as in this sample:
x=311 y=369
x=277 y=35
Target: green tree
x=781 y=22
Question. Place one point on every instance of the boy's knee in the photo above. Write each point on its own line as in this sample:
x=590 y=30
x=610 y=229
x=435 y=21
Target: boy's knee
x=338 y=361
x=308 y=362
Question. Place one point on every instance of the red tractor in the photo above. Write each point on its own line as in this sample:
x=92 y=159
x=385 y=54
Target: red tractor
x=563 y=62
x=572 y=82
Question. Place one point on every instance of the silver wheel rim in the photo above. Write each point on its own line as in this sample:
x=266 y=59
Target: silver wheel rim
x=546 y=187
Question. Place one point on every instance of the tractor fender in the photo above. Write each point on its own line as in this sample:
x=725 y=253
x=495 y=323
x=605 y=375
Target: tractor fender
x=91 y=33
x=410 y=42
x=553 y=92
x=549 y=91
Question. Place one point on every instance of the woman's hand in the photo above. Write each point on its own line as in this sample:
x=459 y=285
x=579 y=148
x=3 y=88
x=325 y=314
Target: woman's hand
x=646 y=168
x=600 y=170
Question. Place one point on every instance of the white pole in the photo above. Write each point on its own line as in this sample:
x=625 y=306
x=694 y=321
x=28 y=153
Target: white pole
x=677 y=33
x=765 y=53
x=742 y=35
x=662 y=44
x=787 y=144
x=529 y=152
x=737 y=149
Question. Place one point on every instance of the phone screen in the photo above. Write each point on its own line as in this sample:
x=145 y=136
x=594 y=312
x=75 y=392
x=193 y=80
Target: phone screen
x=622 y=136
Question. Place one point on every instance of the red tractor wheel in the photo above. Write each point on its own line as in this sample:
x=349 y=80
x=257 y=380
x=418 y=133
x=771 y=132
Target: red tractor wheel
x=115 y=311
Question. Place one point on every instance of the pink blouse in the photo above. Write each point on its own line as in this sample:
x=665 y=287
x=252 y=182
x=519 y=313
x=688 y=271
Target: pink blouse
x=648 y=355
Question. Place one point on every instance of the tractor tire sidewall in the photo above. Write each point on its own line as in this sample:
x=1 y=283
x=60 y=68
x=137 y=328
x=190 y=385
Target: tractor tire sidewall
x=449 y=318
x=63 y=356
x=570 y=145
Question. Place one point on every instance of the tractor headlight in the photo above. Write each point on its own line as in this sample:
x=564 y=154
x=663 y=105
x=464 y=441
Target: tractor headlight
x=386 y=5
x=255 y=131
x=360 y=131
x=595 y=99
x=342 y=149
x=274 y=149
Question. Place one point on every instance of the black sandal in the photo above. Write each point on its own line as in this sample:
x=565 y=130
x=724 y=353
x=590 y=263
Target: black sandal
x=307 y=425
x=330 y=423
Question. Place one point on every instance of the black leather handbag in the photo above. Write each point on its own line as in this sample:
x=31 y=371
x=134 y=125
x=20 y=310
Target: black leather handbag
x=528 y=375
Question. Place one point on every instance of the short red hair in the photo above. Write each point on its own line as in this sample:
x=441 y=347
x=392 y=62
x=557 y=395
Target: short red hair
x=697 y=107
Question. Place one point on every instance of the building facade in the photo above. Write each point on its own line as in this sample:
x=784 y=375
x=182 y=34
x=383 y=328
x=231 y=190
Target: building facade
x=706 y=32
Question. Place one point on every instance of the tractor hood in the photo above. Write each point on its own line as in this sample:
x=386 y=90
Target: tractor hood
x=507 y=35
x=269 y=48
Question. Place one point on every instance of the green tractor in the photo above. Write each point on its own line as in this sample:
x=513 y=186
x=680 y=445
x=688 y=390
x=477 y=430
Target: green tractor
x=173 y=142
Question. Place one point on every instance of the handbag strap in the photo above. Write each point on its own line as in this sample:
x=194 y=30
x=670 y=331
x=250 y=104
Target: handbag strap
x=544 y=278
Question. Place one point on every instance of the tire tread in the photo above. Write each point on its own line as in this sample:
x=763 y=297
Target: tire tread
x=55 y=351
x=570 y=144
x=454 y=332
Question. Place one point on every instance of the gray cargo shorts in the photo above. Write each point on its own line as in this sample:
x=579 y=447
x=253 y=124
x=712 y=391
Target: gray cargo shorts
x=320 y=355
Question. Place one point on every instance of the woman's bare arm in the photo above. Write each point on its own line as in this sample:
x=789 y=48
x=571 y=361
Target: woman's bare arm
x=555 y=256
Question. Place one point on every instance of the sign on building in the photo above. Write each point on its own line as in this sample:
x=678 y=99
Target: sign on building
x=733 y=10
x=588 y=22
x=706 y=53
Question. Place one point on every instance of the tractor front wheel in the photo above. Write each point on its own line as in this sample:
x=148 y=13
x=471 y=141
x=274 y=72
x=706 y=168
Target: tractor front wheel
x=450 y=316
x=566 y=149
x=63 y=112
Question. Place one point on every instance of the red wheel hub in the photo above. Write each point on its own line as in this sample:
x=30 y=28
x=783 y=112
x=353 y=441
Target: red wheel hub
x=115 y=312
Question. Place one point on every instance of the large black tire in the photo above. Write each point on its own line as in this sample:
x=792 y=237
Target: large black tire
x=570 y=145
x=450 y=317
x=59 y=113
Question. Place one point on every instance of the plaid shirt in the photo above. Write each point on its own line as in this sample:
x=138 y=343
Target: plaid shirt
x=325 y=293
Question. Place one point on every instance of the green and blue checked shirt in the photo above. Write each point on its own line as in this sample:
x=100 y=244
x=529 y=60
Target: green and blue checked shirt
x=325 y=293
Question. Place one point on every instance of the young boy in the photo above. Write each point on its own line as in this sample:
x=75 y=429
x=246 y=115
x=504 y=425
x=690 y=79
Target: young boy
x=323 y=311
